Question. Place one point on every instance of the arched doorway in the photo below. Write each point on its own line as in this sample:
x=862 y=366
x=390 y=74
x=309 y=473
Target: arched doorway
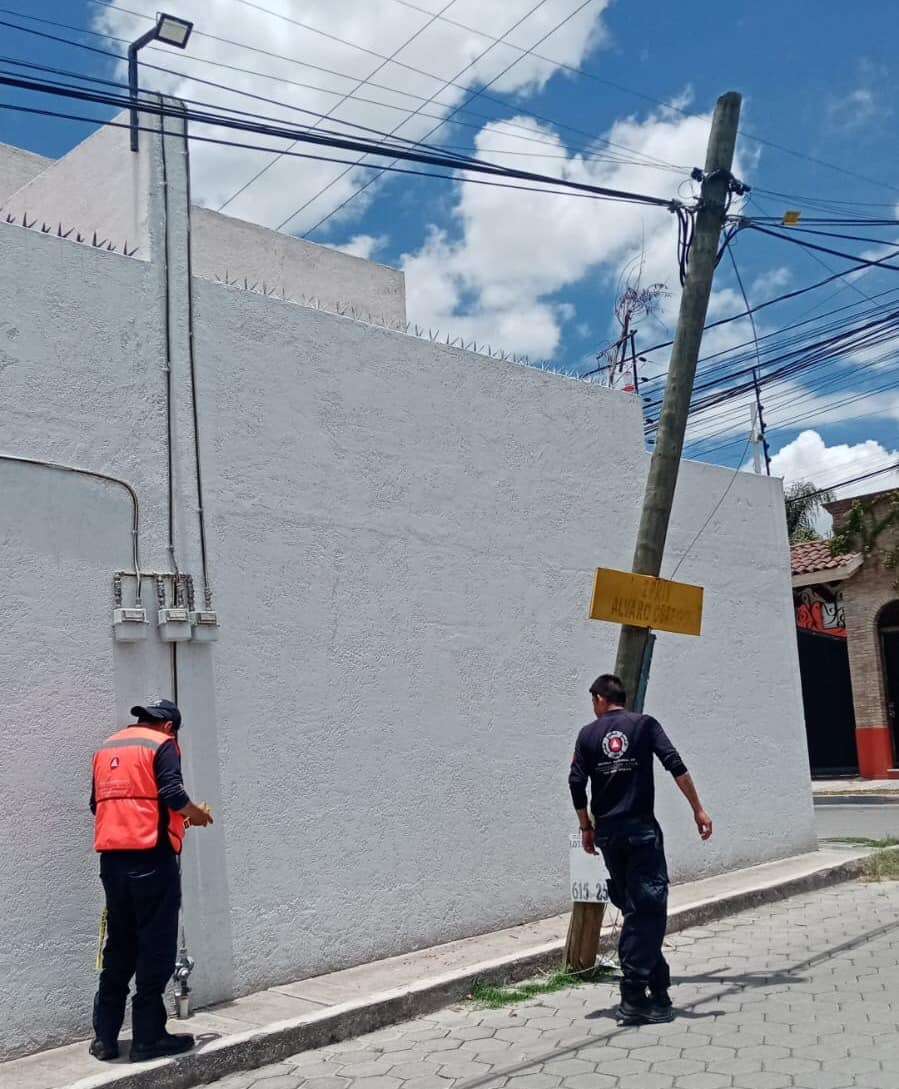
x=888 y=632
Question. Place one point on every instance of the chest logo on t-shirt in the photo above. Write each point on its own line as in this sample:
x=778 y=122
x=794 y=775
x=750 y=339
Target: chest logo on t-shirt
x=114 y=762
x=614 y=744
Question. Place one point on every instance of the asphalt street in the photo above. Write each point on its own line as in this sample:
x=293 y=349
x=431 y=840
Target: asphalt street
x=872 y=818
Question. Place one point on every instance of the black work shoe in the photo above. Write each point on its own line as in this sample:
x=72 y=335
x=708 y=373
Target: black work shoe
x=165 y=1046
x=660 y=1013
x=104 y=1052
x=660 y=999
x=633 y=1013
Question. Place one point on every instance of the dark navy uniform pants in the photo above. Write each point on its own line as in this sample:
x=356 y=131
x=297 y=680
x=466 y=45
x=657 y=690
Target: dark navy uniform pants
x=634 y=854
x=143 y=898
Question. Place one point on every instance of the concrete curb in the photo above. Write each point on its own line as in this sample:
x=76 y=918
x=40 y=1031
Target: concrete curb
x=272 y=1043
x=835 y=797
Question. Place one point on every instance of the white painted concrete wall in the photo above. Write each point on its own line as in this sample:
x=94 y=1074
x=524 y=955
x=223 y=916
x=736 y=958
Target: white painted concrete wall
x=18 y=166
x=432 y=509
x=401 y=540
x=227 y=248
x=102 y=186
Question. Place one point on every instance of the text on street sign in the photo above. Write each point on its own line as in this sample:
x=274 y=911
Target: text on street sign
x=621 y=597
x=587 y=874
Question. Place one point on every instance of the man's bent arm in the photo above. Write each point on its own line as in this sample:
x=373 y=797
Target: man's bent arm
x=578 y=777
x=688 y=789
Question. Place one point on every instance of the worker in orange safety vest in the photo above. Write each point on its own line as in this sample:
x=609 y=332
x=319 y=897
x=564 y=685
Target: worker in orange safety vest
x=140 y=812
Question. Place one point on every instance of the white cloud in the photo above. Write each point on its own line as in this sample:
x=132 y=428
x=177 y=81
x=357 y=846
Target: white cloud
x=515 y=250
x=865 y=102
x=225 y=28
x=770 y=283
x=853 y=111
x=809 y=458
x=364 y=245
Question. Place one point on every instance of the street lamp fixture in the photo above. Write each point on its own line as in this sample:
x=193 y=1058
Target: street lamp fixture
x=170 y=30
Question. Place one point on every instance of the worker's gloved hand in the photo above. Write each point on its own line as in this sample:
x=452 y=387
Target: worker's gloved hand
x=196 y=815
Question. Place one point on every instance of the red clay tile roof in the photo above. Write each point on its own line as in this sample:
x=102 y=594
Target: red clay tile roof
x=810 y=556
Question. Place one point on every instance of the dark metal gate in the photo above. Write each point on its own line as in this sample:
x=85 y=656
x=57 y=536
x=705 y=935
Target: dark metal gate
x=827 y=702
x=888 y=626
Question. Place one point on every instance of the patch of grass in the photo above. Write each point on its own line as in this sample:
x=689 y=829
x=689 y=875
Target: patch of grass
x=863 y=841
x=882 y=866
x=491 y=997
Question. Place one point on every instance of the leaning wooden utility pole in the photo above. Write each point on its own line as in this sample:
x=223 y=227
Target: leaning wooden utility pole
x=666 y=455
x=633 y=644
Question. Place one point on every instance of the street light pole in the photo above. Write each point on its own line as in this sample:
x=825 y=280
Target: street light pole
x=133 y=49
x=170 y=30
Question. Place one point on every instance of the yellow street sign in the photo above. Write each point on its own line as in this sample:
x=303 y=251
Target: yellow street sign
x=791 y=218
x=642 y=601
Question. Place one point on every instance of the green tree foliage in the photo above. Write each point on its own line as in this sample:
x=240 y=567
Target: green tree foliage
x=803 y=502
x=867 y=529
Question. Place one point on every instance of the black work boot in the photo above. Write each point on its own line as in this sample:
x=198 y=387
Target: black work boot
x=105 y=1052
x=164 y=1047
x=635 y=1007
x=659 y=982
x=661 y=1009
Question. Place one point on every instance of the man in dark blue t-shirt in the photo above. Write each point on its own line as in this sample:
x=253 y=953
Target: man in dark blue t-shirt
x=614 y=754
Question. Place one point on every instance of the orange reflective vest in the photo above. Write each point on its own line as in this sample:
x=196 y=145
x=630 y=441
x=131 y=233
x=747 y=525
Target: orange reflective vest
x=128 y=805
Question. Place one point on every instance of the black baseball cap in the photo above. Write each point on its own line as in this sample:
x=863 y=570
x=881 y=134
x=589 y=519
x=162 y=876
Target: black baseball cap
x=160 y=711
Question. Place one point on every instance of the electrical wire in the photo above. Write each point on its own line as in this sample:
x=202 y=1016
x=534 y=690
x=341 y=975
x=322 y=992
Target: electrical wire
x=845 y=483
x=324 y=219
x=308 y=155
x=399 y=125
x=510 y=129
x=349 y=94
x=850 y=237
x=759 y=306
x=667 y=105
x=733 y=479
x=191 y=348
x=791 y=425
x=112 y=83
x=84 y=77
x=861 y=338
x=714 y=509
x=208 y=119
x=135 y=502
x=819 y=260
x=790 y=370
x=205 y=82
x=167 y=326
x=791 y=402
x=725 y=354
x=858 y=337
x=792 y=397
x=555 y=122
x=851 y=350
x=864 y=263
x=342 y=142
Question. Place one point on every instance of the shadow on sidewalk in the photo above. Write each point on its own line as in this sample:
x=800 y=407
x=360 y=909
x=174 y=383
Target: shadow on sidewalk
x=680 y=1014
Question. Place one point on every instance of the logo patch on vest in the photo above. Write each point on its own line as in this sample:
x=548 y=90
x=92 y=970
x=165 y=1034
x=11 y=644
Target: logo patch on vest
x=614 y=744
x=114 y=762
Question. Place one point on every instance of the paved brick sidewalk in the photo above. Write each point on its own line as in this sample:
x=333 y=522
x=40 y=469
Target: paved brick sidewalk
x=804 y=994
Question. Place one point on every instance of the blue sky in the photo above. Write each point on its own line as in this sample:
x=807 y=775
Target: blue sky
x=539 y=273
